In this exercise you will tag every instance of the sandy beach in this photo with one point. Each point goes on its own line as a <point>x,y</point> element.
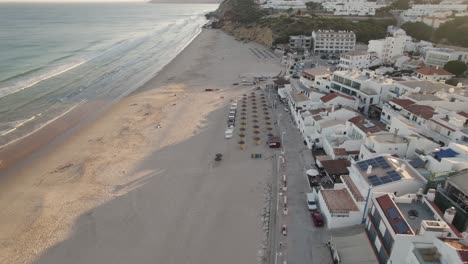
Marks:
<point>139,184</point>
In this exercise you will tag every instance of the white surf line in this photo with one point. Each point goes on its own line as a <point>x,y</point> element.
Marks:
<point>3,133</point>
<point>45,124</point>
<point>48,77</point>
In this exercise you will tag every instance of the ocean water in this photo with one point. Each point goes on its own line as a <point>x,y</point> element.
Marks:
<point>55,56</point>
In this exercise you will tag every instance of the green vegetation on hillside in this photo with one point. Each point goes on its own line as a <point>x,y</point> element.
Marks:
<point>453,32</point>
<point>418,30</point>
<point>285,26</point>
<point>456,67</point>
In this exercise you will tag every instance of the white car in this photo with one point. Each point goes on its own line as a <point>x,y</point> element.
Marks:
<point>228,133</point>
<point>311,201</point>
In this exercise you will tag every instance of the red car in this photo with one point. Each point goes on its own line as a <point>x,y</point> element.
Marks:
<point>317,218</point>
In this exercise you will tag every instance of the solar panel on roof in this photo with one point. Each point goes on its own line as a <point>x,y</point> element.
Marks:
<point>372,177</point>
<point>402,227</point>
<point>385,166</point>
<point>392,173</point>
<point>377,183</point>
<point>395,178</point>
<point>392,213</point>
<point>379,159</point>
<point>385,179</point>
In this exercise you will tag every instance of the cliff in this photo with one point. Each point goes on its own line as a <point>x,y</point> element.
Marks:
<point>262,35</point>
<point>238,17</point>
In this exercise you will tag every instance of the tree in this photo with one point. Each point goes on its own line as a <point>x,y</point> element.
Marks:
<point>400,5</point>
<point>313,6</point>
<point>290,10</point>
<point>453,32</point>
<point>456,67</point>
<point>418,30</point>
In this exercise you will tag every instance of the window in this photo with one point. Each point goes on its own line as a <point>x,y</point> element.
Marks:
<point>414,118</point>
<point>448,133</point>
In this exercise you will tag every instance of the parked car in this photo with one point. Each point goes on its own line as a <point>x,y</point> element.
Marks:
<point>228,133</point>
<point>311,201</point>
<point>317,218</point>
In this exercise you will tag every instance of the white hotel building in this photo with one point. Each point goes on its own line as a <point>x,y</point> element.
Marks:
<point>329,41</point>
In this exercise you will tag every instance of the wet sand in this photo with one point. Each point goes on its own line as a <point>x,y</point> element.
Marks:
<point>139,185</point>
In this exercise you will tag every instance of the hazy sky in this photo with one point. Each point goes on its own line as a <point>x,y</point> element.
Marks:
<point>64,1</point>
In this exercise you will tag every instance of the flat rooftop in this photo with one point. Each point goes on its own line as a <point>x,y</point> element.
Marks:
<point>385,170</point>
<point>410,210</point>
<point>339,201</point>
<point>388,138</point>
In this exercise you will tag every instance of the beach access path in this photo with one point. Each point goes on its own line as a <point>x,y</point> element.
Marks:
<point>139,185</point>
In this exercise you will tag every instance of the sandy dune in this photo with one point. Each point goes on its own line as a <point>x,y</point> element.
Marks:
<point>139,185</point>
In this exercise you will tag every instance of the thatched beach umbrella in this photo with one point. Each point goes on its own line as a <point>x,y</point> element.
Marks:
<point>243,118</point>
<point>267,118</point>
<point>269,128</point>
<point>242,135</point>
<point>256,132</point>
<point>255,121</point>
<point>242,129</point>
<point>267,123</point>
<point>256,126</point>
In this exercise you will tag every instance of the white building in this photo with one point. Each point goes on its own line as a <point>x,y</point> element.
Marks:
<point>310,77</point>
<point>300,42</point>
<point>329,41</point>
<point>351,7</point>
<point>391,143</point>
<point>364,85</point>
<point>315,123</point>
<point>284,4</point>
<point>442,11</point>
<point>390,48</point>
<point>449,127</point>
<point>411,229</point>
<point>358,60</point>
<point>382,174</point>
<point>438,57</point>
<point>448,159</point>
<point>433,74</point>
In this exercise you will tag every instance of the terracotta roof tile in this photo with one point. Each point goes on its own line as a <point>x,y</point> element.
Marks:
<point>336,167</point>
<point>433,71</point>
<point>366,125</point>
<point>423,111</point>
<point>339,201</point>
<point>327,98</point>
<point>403,102</point>
<point>464,114</point>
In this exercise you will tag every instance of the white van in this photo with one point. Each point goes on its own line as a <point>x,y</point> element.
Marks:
<point>228,133</point>
<point>311,201</point>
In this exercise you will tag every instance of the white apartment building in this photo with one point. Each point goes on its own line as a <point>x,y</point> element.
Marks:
<point>300,42</point>
<point>390,48</point>
<point>411,229</point>
<point>358,60</point>
<point>351,8</point>
<point>284,4</point>
<point>448,159</point>
<point>364,85</point>
<point>329,41</point>
<point>441,11</point>
<point>438,57</point>
<point>392,143</point>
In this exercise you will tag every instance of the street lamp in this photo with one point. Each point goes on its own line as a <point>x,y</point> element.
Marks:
<point>279,119</point>
<point>282,136</point>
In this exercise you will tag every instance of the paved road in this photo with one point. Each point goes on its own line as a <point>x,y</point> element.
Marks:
<point>304,243</point>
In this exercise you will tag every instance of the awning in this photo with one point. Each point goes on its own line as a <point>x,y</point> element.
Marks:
<point>445,153</point>
<point>312,172</point>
